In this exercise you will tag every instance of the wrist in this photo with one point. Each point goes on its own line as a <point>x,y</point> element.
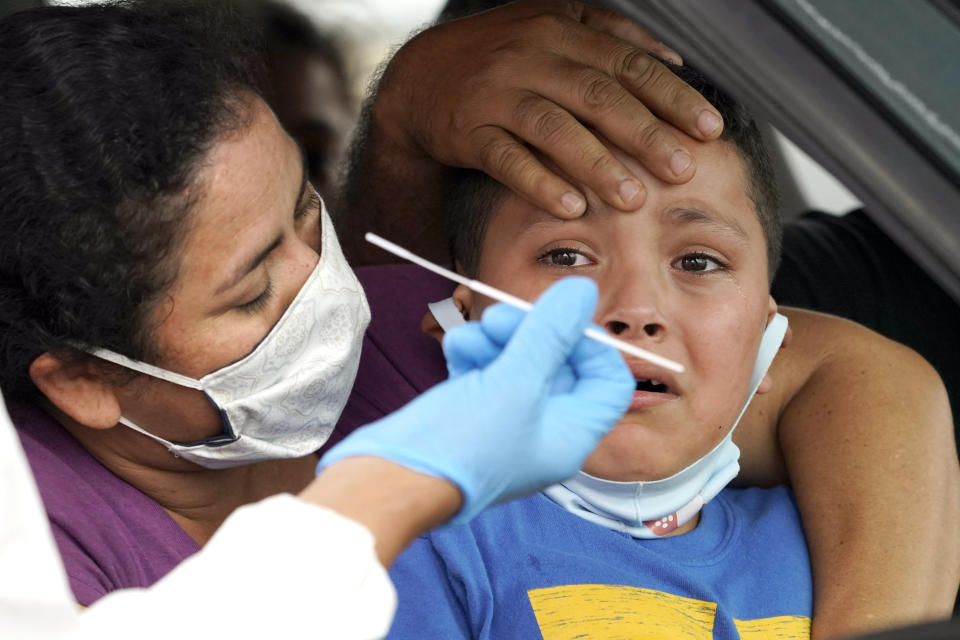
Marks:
<point>391,118</point>
<point>395,189</point>
<point>395,503</point>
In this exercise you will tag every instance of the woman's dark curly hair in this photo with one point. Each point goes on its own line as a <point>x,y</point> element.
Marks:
<point>106,115</point>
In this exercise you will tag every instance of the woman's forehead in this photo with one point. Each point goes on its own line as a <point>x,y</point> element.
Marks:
<point>250,181</point>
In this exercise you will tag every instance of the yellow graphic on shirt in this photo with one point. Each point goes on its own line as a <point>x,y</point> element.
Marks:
<point>612,611</point>
<point>616,612</point>
<point>780,628</point>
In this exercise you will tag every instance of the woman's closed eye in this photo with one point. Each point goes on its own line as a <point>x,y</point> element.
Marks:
<point>259,302</point>
<point>699,263</point>
<point>564,258</point>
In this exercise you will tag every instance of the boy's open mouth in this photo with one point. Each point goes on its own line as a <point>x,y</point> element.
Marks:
<point>654,385</point>
<point>651,384</point>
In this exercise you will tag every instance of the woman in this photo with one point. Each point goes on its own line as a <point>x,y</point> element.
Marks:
<point>152,207</point>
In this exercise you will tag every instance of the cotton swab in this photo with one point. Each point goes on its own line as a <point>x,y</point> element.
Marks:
<point>519,303</point>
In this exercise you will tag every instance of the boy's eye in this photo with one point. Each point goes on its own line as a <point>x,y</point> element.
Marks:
<point>699,262</point>
<point>565,258</point>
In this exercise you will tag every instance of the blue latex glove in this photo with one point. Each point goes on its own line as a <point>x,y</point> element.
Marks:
<point>529,398</point>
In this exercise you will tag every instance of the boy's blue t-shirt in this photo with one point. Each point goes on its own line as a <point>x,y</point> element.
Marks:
<point>529,569</point>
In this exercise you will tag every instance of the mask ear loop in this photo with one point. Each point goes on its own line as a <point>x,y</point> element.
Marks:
<point>769,347</point>
<point>169,445</point>
<point>143,367</point>
<point>150,370</point>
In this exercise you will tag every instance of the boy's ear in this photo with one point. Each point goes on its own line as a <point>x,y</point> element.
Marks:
<point>771,308</point>
<point>430,326</point>
<point>462,299</point>
<point>76,389</point>
<point>767,383</point>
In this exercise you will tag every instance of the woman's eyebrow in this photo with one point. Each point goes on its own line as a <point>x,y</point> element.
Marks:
<point>242,271</point>
<point>723,224</point>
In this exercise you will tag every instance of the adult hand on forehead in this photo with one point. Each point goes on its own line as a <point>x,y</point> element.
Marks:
<point>530,74</point>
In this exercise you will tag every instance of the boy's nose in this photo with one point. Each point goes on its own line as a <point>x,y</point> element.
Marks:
<point>619,327</point>
<point>632,312</point>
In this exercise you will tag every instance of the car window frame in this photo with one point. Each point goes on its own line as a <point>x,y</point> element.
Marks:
<point>910,194</point>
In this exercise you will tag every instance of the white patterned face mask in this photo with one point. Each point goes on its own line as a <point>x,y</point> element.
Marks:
<point>282,399</point>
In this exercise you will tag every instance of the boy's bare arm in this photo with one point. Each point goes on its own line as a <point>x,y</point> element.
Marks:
<point>866,436</point>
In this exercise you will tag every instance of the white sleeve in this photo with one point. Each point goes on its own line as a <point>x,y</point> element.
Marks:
<point>280,568</point>
<point>35,599</point>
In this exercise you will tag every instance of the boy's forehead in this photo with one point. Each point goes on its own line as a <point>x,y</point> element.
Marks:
<point>524,219</point>
<point>718,195</point>
<point>716,160</point>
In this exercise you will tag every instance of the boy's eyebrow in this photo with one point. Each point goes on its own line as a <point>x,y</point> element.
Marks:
<point>547,219</point>
<point>696,216</point>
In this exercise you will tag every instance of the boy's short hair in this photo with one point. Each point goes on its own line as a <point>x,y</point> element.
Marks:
<point>473,195</point>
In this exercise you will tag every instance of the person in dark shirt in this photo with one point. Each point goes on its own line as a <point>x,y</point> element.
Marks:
<point>847,266</point>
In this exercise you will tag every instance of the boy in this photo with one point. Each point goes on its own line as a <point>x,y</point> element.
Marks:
<point>602,554</point>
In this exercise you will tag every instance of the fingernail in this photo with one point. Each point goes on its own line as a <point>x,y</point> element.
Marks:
<point>708,122</point>
<point>670,55</point>
<point>572,202</point>
<point>629,189</point>
<point>680,161</point>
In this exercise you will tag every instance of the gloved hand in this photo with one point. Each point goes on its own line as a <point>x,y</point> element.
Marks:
<point>529,398</point>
